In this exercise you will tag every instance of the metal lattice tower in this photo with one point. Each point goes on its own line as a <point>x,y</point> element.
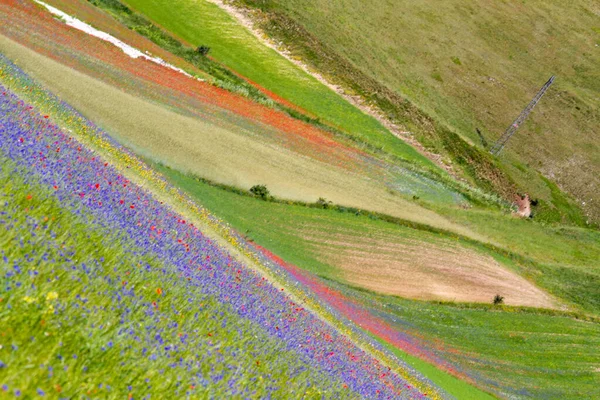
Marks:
<point>499,145</point>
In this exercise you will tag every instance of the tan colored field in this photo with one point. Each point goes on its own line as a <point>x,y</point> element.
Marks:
<point>389,263</point>
<point>217,153</point>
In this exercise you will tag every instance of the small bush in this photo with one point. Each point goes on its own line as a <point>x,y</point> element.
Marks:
<point>498,299</point>
<point>203,50</point>
<point>324,203</point>
<point>260,191</point>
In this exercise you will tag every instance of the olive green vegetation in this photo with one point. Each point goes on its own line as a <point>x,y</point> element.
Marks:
<point>204,23</point>
<point>444,70</point>
<point>542,352</point>
<point>563,260</point>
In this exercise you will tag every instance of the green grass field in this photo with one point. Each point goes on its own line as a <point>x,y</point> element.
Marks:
<point>468,66</point>
<point>510,351</point>
<point>238,49</point>
<point>544,353</point>
<point>562,260</point>
<point>521,353</point>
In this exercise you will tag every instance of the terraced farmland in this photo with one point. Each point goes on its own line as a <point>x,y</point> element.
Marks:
<point>213,155</point>
<point>186,213</point>
<point>179,305</point>
<point>510,351</point>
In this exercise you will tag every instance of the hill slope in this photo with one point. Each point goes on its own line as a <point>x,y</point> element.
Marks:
<point>466,67</point>
<point>112,292</point>
<point>294,288</point>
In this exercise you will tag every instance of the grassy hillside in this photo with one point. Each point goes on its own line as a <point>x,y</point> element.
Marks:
<point>382,288</point>
<point>109,292</point>
<point>463,67</point>
<point>368,252</point>
<point>562,260</point>
<point>224,154</point>
<point>510,351</point>
<point>238,49</point>
<point>518,354</point>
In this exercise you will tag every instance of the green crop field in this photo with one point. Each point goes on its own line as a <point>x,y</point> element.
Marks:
<point>512,347</point>
<point>469,66</point>
<point>222,154</point>
<point>522,353</point>
<point>238,49</point>
<point>562,260</point>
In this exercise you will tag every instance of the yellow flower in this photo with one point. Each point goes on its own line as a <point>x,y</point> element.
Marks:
<point>29,300</point>
<point>51,296</point>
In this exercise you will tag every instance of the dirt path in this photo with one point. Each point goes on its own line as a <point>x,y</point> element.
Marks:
<point>244,17</point>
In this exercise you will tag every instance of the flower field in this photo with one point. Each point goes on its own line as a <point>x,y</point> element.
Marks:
<point>226,120</point>
<point>136,262</point>
<point>109,292</point>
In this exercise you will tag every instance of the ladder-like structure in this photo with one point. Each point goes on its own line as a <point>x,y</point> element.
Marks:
<point>499,145</point>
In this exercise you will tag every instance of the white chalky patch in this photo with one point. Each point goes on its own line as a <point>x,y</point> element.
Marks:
<point>127,49</point>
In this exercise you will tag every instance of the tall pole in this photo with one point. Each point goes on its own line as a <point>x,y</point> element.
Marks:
<point>499,145</point>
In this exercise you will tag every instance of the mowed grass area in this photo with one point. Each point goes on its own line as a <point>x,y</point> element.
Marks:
<point>204,23</point>
<point>506,349</point>
<point>471,66</point>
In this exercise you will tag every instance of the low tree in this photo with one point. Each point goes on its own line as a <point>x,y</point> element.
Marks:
<point>498,299</point>
<point>260,191</point>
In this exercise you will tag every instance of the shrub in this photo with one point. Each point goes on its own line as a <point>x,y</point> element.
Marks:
<point>498,299</point>
<point>324,203</point>
<point>260,191</point>
<point>203,50</point>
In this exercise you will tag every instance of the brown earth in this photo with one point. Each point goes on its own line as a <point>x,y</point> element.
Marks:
<point>441,270</point>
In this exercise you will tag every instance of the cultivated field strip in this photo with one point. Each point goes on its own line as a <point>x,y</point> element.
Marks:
<point>184,266</point>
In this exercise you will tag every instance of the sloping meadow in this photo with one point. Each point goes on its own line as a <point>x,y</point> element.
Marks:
<point>107,291</point>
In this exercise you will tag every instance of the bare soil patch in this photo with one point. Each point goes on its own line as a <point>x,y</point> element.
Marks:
<point>425,270</point>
